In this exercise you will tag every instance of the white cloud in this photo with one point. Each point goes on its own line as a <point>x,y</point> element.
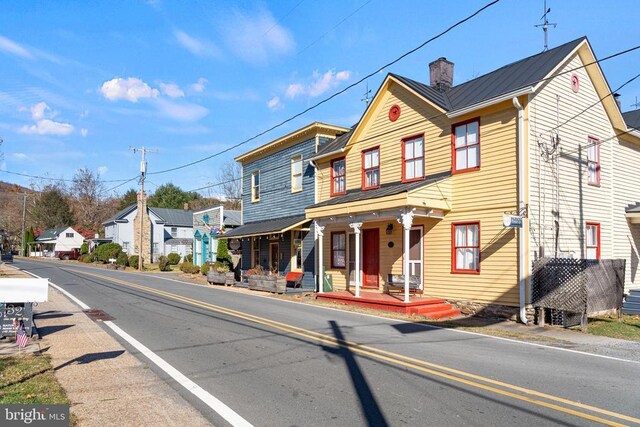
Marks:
<point>319,84</point>
<point>197,47</point>
<point>130,89</point>
<point>13,48</point>
<point>171,90</point>
<point>199,86</point>
<point>19,156</point>
<point>293,90</point>
<point>38,110</point>
<point>186,112</point>
<point>257,38</point>
<point>48,127</point>
<point>102,170</point>
<point>84,132</point>
<point>274,104</point>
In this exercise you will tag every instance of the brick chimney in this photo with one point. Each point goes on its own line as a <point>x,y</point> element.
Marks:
<point>441,74</point>
<point>616,97</point>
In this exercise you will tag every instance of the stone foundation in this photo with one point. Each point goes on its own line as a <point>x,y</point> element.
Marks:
<point>495,311</point>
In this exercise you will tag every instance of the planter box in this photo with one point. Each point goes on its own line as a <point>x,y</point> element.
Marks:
<point>221,278</point>
<point>277,284</point>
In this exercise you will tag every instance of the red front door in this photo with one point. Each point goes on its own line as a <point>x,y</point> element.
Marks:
<point>370,257</point>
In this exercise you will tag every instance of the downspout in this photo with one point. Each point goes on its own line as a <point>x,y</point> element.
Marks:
<point>521,205</point>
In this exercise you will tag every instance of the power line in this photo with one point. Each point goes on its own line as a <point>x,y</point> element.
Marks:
<point>340,92</point>
<point>52,179</point>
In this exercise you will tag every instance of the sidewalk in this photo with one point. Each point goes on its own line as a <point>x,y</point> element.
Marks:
<point>107,386</point>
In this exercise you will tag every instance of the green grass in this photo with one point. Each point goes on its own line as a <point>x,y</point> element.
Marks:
<point>29,379</point>
<point>628,328</point>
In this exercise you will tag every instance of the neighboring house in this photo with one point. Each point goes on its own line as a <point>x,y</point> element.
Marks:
<point>278,182</point>
<point>171,230</point>
<point>423,181</point>
<point>53,240</point>
<point>207,227</point>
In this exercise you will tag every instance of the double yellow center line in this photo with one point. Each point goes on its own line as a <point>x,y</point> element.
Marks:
<point>519,393</point>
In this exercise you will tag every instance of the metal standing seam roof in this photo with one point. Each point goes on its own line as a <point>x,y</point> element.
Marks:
<point>50,234</point>
<point>232,218</point>
<point>278,225</point>
<point>335,144</point>
<point>179,217</point>
<point>517,75</point>
<point>121,214</point>
<point>389,189</point>
<point>632,119</point>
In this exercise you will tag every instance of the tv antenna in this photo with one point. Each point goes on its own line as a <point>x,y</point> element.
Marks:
<point>545,26</point>
<point>366,97</point>
<point>635,104</point>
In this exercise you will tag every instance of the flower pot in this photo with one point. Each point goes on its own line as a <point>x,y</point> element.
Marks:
<point>214,277</point>
<point>276,284</point>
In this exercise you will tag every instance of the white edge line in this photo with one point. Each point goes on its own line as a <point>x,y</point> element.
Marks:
<point>218,406</point>
<point>511,340</point>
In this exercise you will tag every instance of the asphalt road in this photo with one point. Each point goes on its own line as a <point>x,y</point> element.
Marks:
<point>279,363</point>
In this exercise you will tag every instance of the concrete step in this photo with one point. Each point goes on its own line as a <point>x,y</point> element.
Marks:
<point>444,314</point>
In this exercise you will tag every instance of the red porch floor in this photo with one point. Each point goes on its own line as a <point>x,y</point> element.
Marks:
<point>432,308</point>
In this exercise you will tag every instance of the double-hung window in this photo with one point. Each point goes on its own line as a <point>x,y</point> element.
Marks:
<point>174,232</point>
<point>466,146</point>
<point>296,173</point>
<point>338,249</point>
<point>593,161</point>
<point>593,240</point>
<point>413,158</point>
<point>466,247</point>
<point>255,186</point>
<point>338,176</point>
<point>296,262</point>
<point>371,168</point>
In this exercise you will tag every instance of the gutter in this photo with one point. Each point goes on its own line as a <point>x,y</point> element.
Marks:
<point>331,153</point>
<point>521,207</point>
<point>489,102</point>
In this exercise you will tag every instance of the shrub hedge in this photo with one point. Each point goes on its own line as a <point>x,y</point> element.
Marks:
<point>174,258</point>
<point>133,261</point>
<point>188,267</point>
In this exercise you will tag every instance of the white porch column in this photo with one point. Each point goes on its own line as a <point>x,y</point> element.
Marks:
<point>319,234</point>
<point>356,229</point>
<point>406,219</point>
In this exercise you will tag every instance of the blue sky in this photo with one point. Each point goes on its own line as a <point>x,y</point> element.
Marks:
<point>83,81</point>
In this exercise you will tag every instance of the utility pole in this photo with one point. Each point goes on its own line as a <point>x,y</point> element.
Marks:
<point>545,26</point>
<point>143,171</point>
<point>24,220</point>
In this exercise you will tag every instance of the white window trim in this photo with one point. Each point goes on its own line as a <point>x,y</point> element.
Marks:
<point>255,189</point>
<point>294,159</point>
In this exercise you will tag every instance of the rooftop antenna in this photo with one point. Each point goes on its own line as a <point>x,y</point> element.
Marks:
<point>366,97</point>
<point>635,104</point>
<point>545,26</point>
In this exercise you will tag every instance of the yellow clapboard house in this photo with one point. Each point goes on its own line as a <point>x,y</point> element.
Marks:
<point>423,182</point>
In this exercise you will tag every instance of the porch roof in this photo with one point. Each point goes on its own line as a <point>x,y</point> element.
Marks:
<point>432,192</point>
<point>260,228</point>
<point>633,213</point>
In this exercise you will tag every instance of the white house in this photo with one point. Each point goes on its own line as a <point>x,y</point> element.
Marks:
<point>207,226</point>
<point>56,240</point>
<point>171,230</point>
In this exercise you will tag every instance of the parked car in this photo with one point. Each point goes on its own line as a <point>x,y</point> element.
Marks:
<point>8,257</point>
<point>65,255</point>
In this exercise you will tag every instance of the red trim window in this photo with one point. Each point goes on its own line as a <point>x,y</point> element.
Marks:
<point>593,161</point>
<point>413,158</point>
<point>338,176</point>
<point>466,146</point>
<point>593,240</point>
<point>465,247</point>
<point>338,249</point>
<point>371,168</point>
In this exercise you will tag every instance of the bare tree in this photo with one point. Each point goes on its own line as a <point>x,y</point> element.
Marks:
<point>229,177</point>
<point>88,206</point>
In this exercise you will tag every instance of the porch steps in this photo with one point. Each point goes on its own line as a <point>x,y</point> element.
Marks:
<point>431,308</point>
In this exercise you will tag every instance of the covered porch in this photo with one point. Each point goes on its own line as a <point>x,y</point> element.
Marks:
<point>372,242</point>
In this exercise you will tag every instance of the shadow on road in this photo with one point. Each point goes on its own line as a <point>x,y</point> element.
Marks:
<point>48,330</point>
<point>368,402</point>
<point>90,357</point>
